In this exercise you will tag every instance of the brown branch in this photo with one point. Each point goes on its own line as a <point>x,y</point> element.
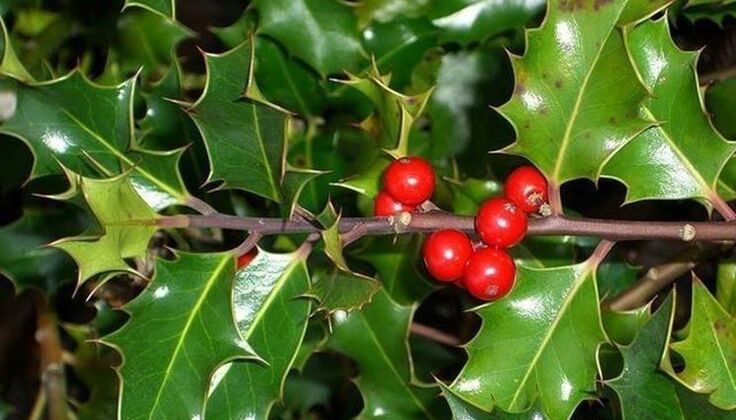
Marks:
<point>434,334</point>
<point>659,277</point>
<point>613,230</point>
<point>52,367</point>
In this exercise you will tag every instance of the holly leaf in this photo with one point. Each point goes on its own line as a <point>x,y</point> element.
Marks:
<point>166,8</point>
<point>726,286</point>
<point>272,316</point>
<point>394,113</point>
<point>89,129</point>
<point>323,33</point>
<point>466,21</point>
<point>188,306</point>
<point>637,11</point>
<point>576,92</point>
<point>127,222</point>
<point>245,139</point>
<point>686,149</point>
<point>642,387</point>
<point>368,182</point>
<point>552,320</point>
<point>10,65</point>
<point>387,10</point>
<point>462,410</point>
<point>26,260</point>
<point>342,290</point>
<point>709,350</point>
<point>396,262</point>
<point>375,337</point>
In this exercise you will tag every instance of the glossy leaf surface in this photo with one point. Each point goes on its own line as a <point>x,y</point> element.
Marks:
<point>576,92</point>
<point>271,314</point>
<point>552,320</point>
<point>709,350</point>
<point>164,7</point>
<point>342,290</point>
<point>244,138</point>
<point>188,304</point>
<point>683,155</point>
<point>375,337</point>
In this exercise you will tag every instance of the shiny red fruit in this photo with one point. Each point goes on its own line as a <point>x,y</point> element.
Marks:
<point>490,274</point>
<point>500,223</point>
<point>246,258</point>
<point>527,188</point>
<point>445,253</point>
<point>409,180</point>
<point>385,205</point>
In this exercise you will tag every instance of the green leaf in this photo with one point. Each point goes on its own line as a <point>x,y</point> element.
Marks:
<point>466,21</point>
<point>637,11</point>
<point>552,320</point>
<point>726,286</point>
<point>245,139</point>
<point>622,327</point>
<point>396,262</point>
<point>10,65</point>
<point>368,182</point>
<point>394,113</point>
<point>642,387</point>
<point>398,46</point>
<point>387,10</point>
<point>685,149</point>
<point>272,316</point>
<point>696,406</point>
<point>23,255</point>
<point>323,33</point>
<point>128,225</point>
<point>576,92</point>
<point>462,410</point>
<point>143,40</point>
<point>83,125</point>
<point>375,337</point>
<point>342,290</point>
<point>720,100</point>
<point>166,8</point>
<point>709,350</point>
<point>469,193</point>
<point>180,331</point>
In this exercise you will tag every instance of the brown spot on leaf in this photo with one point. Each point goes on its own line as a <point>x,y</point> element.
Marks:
<point>720,326</point>
<point>519,89</point>
<point>526,125</point>
<point>612,120</point>
<point>558,83</point>
<point>571,5</point>
<point>600,3</point>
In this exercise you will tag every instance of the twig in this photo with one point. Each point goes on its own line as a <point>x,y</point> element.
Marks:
<point>200,205</point>
<point>247,244</point>
<point>614,230</point>
<point>717,76</point>
<point>434,334</point>
<point>52,367</point>
<point>657,278</point>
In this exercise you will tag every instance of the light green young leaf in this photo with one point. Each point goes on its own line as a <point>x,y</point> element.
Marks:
<point>180,331</point>
<point>576,97</point>
<point>245,139</point>
<point>709,350</point>
<point>682,157</point>
<point>10,65</point>
<point>271,314</point>
<point>128,225</point>
<point>376,338</point>
<point>552,320</point>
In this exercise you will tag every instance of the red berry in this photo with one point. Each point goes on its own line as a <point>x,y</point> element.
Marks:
<point>385,205</point>
<point>246,258</point>
<point>490,274</point>
<point>527,188</point>
<point>445,253</point>
<point>409,180</point>
<point>500,223</point>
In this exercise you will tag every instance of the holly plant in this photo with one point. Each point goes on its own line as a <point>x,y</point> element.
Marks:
<point>329,209</point>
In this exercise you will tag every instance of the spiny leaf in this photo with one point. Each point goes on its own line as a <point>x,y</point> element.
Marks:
<point>637,11</point>
<point>396,261</point>
<point>83,125</point>
<point>271,314</point>
<point>642,387</point>
<point>128,225</point>
<point>23,257</point>
<point>180,331</point>
<point>552,320</point>
<point>394,113</point>
<point>709,350</point>
<point>466,21</point>
<point>388,10</point>
<point>323,33</point>
<point>245,139</point>
<point>683,146</point>
<point>10,65</point>
<point>165,8</point>
<point>375,337</point>
<point>342,290</point>
<point>577,95</point>
<point>368,182</point>
<point>462,410</point>
<point>726,286</point>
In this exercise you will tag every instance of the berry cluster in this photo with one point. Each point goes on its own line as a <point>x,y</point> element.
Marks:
<point>486,270</point>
